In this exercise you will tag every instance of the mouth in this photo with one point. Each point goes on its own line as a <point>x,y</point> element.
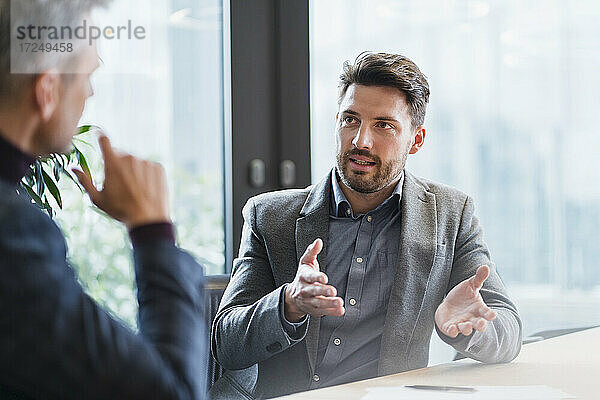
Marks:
<point>361,164</point>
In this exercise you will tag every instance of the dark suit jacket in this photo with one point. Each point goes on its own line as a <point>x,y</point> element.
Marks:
<point>441,244</point>
<point>57,343</point>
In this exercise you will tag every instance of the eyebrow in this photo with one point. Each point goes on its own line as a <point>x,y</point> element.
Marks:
<point>352,112</point>
<point>390,119</point>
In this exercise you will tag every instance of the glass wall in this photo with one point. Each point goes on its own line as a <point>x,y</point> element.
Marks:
<point>162,101</point>
<point>511,121</point>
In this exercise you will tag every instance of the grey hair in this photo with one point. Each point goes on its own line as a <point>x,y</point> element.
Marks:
<point>17,68</point>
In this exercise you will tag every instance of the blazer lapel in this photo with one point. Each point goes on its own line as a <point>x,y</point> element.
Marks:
<point>312,224</point>
<point>418,234</point>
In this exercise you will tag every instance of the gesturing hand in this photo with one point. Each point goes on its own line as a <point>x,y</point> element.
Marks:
<point>309,293</point>
<point>135,191</point>
<point>463,308</point>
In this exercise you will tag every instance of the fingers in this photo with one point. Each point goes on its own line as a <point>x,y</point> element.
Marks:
<point>106,148</point>
<point>324,303</point>
<point>86,181</point>
<point>450,330</point>
<point>310,275</point>
<point>134,190</point>
<point>310,255</point>
<point>466,328</point>
<point>313,298</point>
<point>487,313</point>
<point>483,272</point>
<point>479,324</point>
<point>332,306</point>
<point>333,312</point>
<point>319,290</point>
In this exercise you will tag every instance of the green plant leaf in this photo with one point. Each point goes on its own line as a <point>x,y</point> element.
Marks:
<point>48,207</point>
<point>75,181</point>
<point>78,140</point>
<point>82,161</point>
<point>29,178</point>
<point>57,169</point>
<point>84,129</point>
<point>33,195</point>
<point>52,188</point>
<point>39,179</point>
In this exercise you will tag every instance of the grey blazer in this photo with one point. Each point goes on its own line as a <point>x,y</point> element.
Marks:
<point>441,244</point>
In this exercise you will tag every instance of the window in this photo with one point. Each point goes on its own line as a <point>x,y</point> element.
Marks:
<point>163,101</point>
<point>511,121</point>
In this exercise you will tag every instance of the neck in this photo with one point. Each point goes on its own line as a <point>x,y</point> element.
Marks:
<point>18,128</point>
<point>365,202</point>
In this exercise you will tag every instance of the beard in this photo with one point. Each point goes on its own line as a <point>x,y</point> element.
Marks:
<point>360,181</point>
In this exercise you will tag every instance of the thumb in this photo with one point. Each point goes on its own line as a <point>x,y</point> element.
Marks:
<point>86,181</point>
<point>480,276</point>
<point>310,255</point>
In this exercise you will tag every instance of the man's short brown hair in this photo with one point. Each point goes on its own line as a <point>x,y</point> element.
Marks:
<point>392,70</point>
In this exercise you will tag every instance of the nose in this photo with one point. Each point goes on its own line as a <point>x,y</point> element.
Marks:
<point>363,138</point>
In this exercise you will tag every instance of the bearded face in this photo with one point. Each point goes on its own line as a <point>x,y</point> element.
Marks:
<point>361,177</point>
<point>374,136</point>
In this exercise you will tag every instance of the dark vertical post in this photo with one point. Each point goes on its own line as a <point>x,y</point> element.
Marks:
<point>270,104</point>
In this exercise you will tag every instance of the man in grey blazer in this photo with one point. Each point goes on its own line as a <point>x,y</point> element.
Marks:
<point>347,279</point>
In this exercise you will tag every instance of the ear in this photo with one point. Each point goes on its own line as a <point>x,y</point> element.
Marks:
<point>418,139</point>
<point>47,93</point>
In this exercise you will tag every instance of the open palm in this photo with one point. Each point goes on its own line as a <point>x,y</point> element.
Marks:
<point>463,309</point>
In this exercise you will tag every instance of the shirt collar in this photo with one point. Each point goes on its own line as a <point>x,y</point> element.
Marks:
<point>339,205</point>
<point>14,163</point>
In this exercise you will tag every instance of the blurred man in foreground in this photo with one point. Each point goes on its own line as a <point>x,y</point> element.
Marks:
<point>56,342</point>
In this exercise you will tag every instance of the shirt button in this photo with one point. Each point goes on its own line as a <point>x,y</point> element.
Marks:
<point>337,341</point>
<point>369,218</point>
<point>352,302</point>
<point>316,378</point>
<point>359,260</point>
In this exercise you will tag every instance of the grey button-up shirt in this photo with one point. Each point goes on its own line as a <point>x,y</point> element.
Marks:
<point>361,264</point>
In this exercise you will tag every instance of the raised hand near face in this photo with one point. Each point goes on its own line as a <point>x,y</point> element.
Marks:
<point>134,191</point>
<point>309,293</point>
<point>463,309</point>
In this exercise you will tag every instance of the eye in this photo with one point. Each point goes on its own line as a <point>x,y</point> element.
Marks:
<point>384,125</point>
<point>348,120</point>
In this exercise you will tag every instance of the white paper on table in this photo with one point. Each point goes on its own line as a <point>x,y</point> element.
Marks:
<point>534,392</point>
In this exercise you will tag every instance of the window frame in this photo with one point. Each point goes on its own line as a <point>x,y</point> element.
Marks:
<point>270,102</point>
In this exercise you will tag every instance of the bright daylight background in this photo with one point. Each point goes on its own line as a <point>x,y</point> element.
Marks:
<point>160,100</point>
<point>512,121</point>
